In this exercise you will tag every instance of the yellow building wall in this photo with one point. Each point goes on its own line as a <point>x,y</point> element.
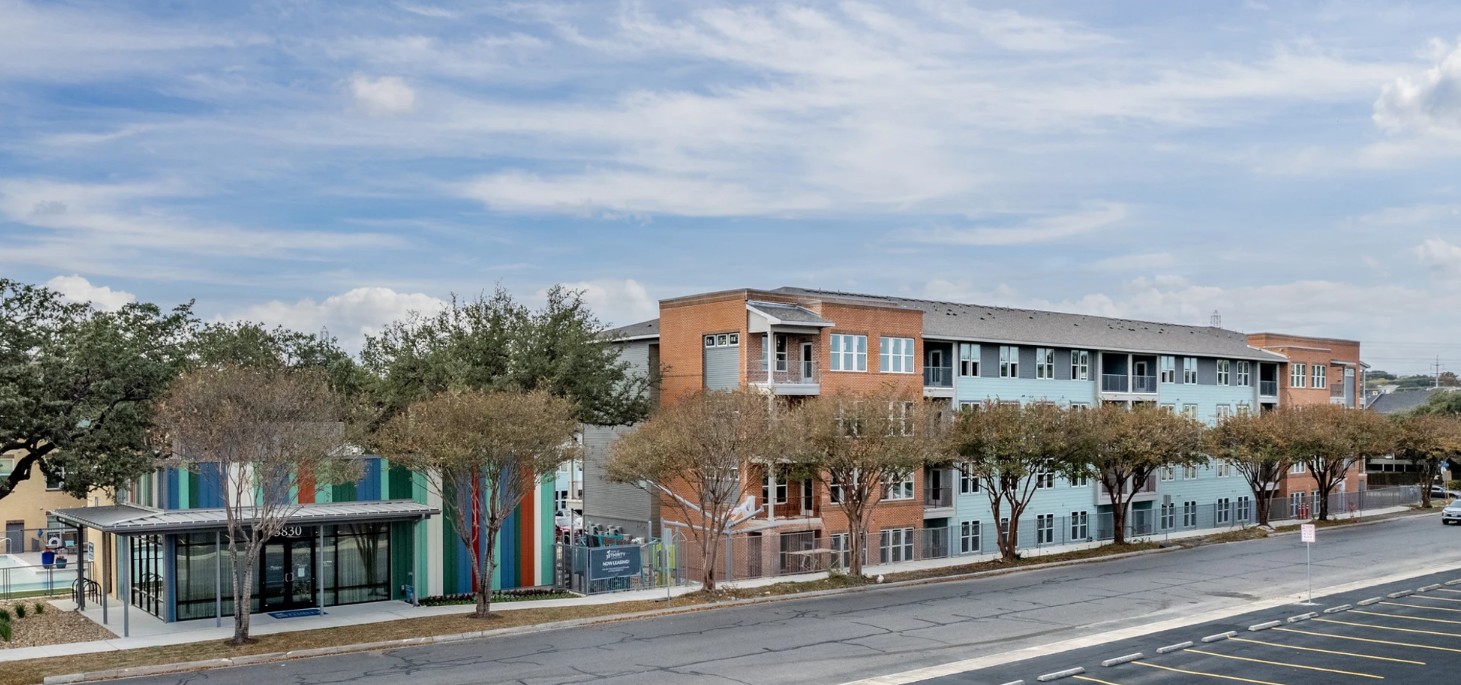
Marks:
<point>31,500</point>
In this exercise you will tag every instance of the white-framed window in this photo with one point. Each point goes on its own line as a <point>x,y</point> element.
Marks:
<point>897,545</point>
<point>1224,469</point>
<point>1044,529</point>
<point>1298,373</point>
<point>1169,516</point>
<point>1189,473</point>
<point>781,355</point>
<point>54,481</point>
<point>969,537</point>
<point>1080,480</point>
<point>968,359</point>
<point>1079,526</point>
<point>1009,361</point>
<point>1321,376</point>
<point>1245,509</point>
<point>1169,473</point>
<point>1169,369</point>
<point>1080,365</point>
<point>1244,409</point>
<point>1297,468</point>
<point>1189,370</point>
<point>834,489</point>
<point>1045,363</point>
<point>1189,411</point>
<point>1296,503</point>
<point>1044,481</point>
<point>766,490</point>
<point>1004,526</point>
<point>1224,411</point>
<point>723,340</point>
<point>1079,406</point>
<point>968,484</point>
<point>849,352</point>
<point>1168,406</point>
<point>1245,374</point>
<point>895,488</point>
<point>1224,510</point>
<point>841,550</point>
<point>1189,514</point>
<point>1224,372</point>
<point>895,355</point>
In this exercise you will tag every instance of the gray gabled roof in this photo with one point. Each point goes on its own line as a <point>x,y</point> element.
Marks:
<point>959,321</point>
<point>634,331</point>
<point>1396,402</point>
<point>788,313</point>
<point>127,519</point>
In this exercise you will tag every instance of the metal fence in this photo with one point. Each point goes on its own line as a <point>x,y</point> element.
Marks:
<point>617,567</point>
<point>769,554</point>
<point>37,579</point>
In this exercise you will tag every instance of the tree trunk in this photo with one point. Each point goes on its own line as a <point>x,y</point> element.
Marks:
<point>1118,513</point>
<point>1260,508</point>
<point>1010,540</point>
<point>1431,469</point>
<point>243,590</point>
<point>484,579</point>
<point>709,550</point>
<point>858,541</point>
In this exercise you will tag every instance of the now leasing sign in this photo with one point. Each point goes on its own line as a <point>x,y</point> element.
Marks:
<point>613,562</point>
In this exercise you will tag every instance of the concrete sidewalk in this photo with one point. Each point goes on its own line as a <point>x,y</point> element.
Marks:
<point>148,631</point>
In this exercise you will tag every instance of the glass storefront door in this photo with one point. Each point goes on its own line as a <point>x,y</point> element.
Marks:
<point>287,574</point>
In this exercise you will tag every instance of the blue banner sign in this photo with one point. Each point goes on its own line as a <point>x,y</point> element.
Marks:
<point>613,562</point>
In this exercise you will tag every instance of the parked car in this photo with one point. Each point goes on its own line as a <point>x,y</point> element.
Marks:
<point>1451,514</point>
<point>1438,492</point>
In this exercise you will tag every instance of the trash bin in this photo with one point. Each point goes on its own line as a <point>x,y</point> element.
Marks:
<point>48,559</point>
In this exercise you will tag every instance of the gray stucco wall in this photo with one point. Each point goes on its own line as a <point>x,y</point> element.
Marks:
<point>607,503</point>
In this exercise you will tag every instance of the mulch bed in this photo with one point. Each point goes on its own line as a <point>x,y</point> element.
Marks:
<point>51,627</point>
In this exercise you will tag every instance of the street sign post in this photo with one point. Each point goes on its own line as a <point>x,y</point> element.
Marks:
<point>1306,533</point>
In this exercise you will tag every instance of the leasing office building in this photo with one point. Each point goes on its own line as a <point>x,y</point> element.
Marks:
<point>376,539</point>
<point>799,342</point>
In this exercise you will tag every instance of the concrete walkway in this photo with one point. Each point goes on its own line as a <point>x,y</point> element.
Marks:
<point>148,631</point>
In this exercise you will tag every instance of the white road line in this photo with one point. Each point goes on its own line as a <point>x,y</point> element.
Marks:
<point>992,660</point>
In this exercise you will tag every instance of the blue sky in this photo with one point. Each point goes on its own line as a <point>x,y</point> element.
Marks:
<point>1292,165</point>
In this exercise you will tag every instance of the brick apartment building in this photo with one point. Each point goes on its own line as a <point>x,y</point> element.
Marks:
<point>1320,371</point>
<point>798,342</point>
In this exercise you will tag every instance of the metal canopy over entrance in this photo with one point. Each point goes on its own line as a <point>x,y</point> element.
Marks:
<point>172,562</point>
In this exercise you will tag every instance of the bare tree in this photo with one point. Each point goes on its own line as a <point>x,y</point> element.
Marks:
<point>1127,447</point>
<point>1251,443</point>
<point>1429,440</point>
<point>699,455</point>
<point>861,445</point>
<point>1013,451</point>
<point>482,453</point>
<point>260,428</point>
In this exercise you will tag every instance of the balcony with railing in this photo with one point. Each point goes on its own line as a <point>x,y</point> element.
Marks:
<point>1146,491</point>
<point>938,376</point>
<point>938,497</point>
<point>1268,388</point>
<point>790,371</point>
<point>1121,383</point>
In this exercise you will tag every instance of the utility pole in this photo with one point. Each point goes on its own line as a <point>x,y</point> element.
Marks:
<point>1438,368</point>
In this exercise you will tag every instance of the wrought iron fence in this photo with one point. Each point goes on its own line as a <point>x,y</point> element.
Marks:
<point>618,567</point>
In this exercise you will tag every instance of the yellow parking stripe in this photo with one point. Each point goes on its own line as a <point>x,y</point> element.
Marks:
<point>1402,630</point>
<point>1438,599</point>
<point>1370,640</point>
<point>1325,651</point>
<point>1091,680</point>
<point>1420,606</point>
<point>1210,675</point>
<point>1408,618</point>
<point>1280,663</point>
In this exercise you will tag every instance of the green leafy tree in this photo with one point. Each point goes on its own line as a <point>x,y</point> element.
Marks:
<point>250,344</point>
<point>1329,439</point>
<point>1253,445</point>
<point>77,386</point>
<point>1011,450</point>
<point>1428,440</point>
<point>483,453</point>
<point>495,343</point>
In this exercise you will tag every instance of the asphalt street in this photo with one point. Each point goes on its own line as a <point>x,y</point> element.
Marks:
<point>843,638</point>
<point>1409,639</point>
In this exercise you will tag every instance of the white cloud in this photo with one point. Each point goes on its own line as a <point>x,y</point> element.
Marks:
<point>1429,103</point>
<point>1415,214</point>
<point>77,289</point>
<point>1146,261</point>
<point>350,316</point>
<point>1044,229</point>
<point>621,193</point>
<point>384,96</point>
<point>616,302</point>
<point>1441,257</point>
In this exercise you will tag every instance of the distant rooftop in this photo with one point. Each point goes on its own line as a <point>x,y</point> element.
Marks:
<point>634,331</point>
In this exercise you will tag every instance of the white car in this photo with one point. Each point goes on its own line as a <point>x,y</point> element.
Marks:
<point>1451,514</point>
<point>564,519</point>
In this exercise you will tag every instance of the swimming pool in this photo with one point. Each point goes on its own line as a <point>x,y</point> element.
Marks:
<point>20,575</point>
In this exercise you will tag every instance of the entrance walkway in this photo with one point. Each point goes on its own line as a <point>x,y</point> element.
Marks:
<point>148,631</point>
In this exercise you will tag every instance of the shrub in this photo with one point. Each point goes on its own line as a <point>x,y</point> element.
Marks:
<point>4,625</point>
<point>20,611</point>
<point>5,615</point>
<point>40,608</point>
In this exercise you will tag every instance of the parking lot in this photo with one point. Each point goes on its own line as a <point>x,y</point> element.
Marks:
<point>1406,632</point>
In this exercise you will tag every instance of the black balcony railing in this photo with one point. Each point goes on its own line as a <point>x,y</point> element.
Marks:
<point>938,376</point>
<point>938,497</point>
<point>1268,388</point>
<point>1114,382</point>
<point>1146,384</point>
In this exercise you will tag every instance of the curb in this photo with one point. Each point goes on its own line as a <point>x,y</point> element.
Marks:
<point>271,657</point>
